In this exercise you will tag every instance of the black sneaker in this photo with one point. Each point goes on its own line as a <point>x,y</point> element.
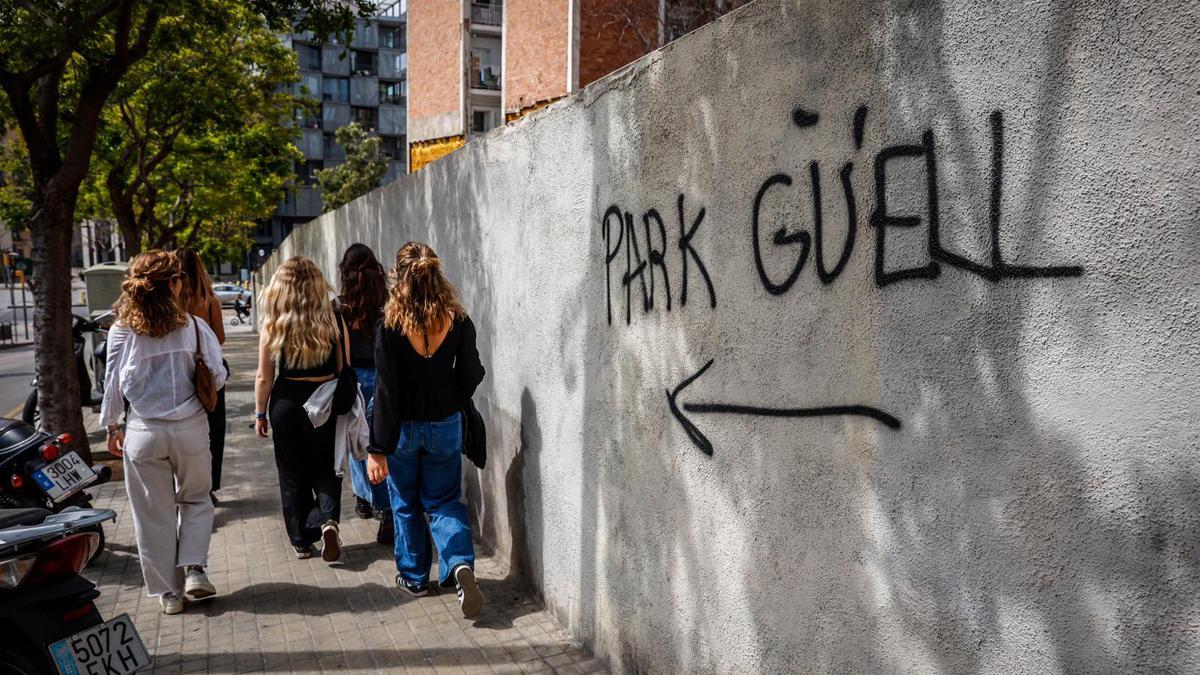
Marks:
<point>387,529</point>
<point>470,598</point>
<point>417,590</point>
<point>363,508</point>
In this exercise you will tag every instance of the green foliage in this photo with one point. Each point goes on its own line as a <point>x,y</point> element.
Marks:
<point>16,187</point>
<point>195,146</point>
<point>364,167</point>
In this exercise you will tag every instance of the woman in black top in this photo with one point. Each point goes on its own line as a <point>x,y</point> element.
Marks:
<point>297,352</point>
<point>363,293</point>
<point>427,365</point>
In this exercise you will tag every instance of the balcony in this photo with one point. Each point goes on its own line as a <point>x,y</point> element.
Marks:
<point>487,15</point>
<point>486,78</point>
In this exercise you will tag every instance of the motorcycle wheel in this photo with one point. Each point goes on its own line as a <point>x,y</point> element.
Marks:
<point>30,414</point>
<point>15,662</point>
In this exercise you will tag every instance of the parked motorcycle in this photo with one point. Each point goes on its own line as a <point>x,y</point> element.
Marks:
<point>42,472</point>
<point>47,612</point>
<point>80,326</point>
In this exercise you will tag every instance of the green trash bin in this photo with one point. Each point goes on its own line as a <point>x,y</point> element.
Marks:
<point>103,285</point>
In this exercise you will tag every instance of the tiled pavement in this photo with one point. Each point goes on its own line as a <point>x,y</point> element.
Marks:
<point>277,614</point>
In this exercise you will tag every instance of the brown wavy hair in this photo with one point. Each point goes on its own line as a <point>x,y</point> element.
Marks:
<point>420,297</point>
<point>147,304</point>
<point>364,287</point>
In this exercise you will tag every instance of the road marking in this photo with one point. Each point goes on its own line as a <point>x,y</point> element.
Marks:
<point>15,412</point>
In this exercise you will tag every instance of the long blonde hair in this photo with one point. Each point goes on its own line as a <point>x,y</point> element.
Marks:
<point>147,304</point>
<point>298,315</point>
<point>420,297</point>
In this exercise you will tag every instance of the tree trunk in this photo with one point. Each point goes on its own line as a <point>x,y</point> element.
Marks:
<point>58,386</point>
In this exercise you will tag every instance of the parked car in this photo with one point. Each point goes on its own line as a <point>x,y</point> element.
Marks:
<point>226,293</point>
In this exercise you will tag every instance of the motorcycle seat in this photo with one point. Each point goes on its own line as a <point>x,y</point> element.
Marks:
<point>19,517</point>
<point>16,437</point>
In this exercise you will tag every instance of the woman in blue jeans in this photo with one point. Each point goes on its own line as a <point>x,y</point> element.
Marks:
<point>427,364</point>
<point>363,292</point>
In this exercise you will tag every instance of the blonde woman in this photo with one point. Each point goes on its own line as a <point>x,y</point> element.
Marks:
<point>296,354</point>
<point>199,300</point>
<point>151,364</point>
<point>427,364</point>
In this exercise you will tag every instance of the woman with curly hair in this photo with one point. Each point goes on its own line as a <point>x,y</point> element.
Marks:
<point>168,469</point>
<point>360,303</point>
<point>427,364</point>
<point>298,351</point>
<point>201,302</point>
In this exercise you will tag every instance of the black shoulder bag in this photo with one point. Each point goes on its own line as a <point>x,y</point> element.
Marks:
<point>474,434</point>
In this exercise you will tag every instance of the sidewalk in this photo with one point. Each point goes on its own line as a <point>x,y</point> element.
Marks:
<point>277,614</point>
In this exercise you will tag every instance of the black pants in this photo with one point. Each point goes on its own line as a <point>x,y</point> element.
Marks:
<point>309,489</point>
<point>216,437</point>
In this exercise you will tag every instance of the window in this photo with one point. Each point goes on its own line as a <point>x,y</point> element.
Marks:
<point>367,118</point>
<point>392,146</point>
<point>310,57</point>
<point>392,37</point>
<point>482,120</point>
<point>393,92</point>
<point>306,172</point>
<point>335,89</point>
<point>363,63</point>
<point>306,119</point>
<point>329,146</point>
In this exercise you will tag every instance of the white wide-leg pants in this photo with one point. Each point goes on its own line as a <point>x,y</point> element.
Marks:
<point>168,475</point>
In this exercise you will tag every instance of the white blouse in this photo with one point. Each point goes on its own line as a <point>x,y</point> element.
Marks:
<point>155,373</point>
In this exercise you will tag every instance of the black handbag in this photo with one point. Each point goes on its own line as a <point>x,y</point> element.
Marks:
<point>347,386</point>
<point>474,434</point>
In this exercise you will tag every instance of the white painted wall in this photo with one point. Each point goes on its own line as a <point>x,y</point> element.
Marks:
<point>1037,510</point>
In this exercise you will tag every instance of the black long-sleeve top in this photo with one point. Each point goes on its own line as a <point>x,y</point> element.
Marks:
<point>412,388</point>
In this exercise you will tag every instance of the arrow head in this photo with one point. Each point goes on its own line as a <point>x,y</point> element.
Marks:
<point>693,433</point>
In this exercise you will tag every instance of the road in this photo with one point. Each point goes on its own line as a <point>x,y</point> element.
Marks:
<point>16,370</point>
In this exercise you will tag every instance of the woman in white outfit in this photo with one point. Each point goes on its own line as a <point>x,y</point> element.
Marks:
<point>168,468</point>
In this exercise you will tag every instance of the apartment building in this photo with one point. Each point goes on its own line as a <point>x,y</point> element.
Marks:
<point>365,81</point>
<point>456,74</point>
<point>479,63</point>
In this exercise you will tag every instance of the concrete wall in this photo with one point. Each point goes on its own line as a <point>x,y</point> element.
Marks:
<point>1021,299</point>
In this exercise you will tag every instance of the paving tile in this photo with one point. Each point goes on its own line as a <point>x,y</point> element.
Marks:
<point>278,614</point>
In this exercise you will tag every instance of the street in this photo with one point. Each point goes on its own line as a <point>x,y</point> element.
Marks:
<point>16,370</point>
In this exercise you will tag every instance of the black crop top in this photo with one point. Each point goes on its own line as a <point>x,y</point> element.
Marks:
<point>411,387</point>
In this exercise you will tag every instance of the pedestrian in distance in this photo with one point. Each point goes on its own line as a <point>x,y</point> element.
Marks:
<point>298,352</point>
<point>151,364</point>
<point>427,365</point>
<point>360,303</point>
<point>201,302</point>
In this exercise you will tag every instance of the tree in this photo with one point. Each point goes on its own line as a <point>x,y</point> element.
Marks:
<point>16,187</point>
<point>60,61</point>
<point>196,135</point>
<point>652,24</point>
<point>364,167</point>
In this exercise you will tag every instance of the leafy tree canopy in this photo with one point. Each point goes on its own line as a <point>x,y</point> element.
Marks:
<point>364,167</point>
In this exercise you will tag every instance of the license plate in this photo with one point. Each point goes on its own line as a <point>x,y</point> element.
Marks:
<point>112,647</point>
<point>64,476</point>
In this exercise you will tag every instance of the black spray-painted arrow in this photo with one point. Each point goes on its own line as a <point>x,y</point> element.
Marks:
<point>705,445</point>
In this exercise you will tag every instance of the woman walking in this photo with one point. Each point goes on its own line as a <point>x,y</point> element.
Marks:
<point>363,293</point>
<point>427,365</point>
<point>297,352</point>
<point>200,301</point>
<point>151,364</point>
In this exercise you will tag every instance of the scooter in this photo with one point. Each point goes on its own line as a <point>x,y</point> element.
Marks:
<point>47,612</point>
<point>88,397</point>
<point>241,314</point>
<point>41,472</point>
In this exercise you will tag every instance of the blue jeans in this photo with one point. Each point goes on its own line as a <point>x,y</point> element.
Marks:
<point>425,477</point>
<point>376,494</point>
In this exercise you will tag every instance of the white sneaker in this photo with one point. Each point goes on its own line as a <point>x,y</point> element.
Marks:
<point>470,598</point>
<point>331,549</point>
<point>196,584</point>
<point>171,603</point>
